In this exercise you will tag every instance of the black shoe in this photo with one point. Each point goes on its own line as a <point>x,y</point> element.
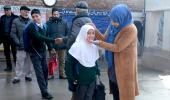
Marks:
<point>15,81</point>
<point>29,79</point>
<point>47,96</point>
<point>8,69</point>
<point>62,77</point>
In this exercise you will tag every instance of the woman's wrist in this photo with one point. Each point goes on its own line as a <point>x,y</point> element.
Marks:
<point>96,42</point>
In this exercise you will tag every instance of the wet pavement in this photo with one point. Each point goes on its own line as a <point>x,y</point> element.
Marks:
<point>151,86</point>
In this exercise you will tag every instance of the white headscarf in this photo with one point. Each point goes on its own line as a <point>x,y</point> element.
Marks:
<point>85,53</point>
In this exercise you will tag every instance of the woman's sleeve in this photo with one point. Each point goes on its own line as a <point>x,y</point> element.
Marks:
<point>125,40</point>
<point>100,36</point>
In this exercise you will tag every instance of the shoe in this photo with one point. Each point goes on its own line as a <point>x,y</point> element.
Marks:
<point>51,77</point>
<point>8,69</point>
<point>29,79</point>
<point>15,81</point>
<point>47,96</point>
<point>62,77</point>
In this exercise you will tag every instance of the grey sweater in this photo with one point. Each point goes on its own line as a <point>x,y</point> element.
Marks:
<point>17,29</point>
<point>77,23</point>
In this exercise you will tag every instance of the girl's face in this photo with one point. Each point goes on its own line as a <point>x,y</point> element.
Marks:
<point>90,36</point>
<point>115,24</point>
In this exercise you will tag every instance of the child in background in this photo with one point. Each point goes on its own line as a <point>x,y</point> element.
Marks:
<point>81,67</point>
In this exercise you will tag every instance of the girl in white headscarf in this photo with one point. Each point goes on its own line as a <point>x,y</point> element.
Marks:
<point>81,67</point>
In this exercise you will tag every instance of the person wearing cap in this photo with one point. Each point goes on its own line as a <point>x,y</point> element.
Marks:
<point>81,18</point>
<point>78,21</point>
<point>5,25</point>
<point>23,62</point>
<point>57,28</point>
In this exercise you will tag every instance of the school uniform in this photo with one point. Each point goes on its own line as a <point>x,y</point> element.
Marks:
<point>81,68</point>
<point>38,55</point>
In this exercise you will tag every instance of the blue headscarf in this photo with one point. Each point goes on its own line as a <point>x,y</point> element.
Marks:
<point>122,15</point>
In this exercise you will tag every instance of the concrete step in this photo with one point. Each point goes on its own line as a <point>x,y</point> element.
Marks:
<point>156,59</point>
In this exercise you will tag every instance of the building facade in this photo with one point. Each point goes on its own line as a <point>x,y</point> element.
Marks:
<point>157,35</point>
<point>136,5</point>
<point>99,9</point>
<point>157,24</point>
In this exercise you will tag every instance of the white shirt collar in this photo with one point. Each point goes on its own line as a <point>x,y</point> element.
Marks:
<point>40,25</point>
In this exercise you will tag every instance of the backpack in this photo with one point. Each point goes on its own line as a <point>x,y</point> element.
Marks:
<point>99,92</point>
<point>26,36</point>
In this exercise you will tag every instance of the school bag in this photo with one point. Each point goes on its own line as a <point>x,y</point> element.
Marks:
<point>99,92</point>
<point>26,36</point>
<point>52,65</point>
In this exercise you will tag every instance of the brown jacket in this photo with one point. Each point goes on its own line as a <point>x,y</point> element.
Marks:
<point>125,54</point>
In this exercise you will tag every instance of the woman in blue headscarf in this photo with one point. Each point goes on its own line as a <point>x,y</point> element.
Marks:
<point>120,42</point>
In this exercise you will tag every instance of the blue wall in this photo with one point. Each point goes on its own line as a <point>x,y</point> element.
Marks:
<point>100,18</point>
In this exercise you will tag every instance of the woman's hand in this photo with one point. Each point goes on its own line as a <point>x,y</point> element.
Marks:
<point>96,42</point>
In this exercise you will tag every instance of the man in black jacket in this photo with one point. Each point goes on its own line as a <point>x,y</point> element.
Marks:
<point>5,25</point>
<point>57,28</point>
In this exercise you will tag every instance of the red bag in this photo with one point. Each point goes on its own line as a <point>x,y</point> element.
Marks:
<point>52,65</point>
